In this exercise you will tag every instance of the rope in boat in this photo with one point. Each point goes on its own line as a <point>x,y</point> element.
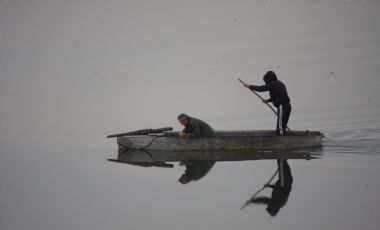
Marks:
<point>149,144</point>
<point>142,148</point>
<point>120,144</point>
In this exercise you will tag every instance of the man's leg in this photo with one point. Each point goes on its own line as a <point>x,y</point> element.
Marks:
<point>286,109</point>
<point>280,120</point>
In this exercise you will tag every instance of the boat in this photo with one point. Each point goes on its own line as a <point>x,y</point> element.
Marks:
<point>224,140</point>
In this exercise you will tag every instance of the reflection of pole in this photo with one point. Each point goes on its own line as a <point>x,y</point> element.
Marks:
<point>254,195</point>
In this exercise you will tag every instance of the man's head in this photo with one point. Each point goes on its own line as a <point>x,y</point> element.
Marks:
<point>183,119</point>
<point>269,76</point>
<point>273,210</point>
<point>184,179</point>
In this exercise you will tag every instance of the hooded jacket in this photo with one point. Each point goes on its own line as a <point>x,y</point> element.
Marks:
<point>277,89</point>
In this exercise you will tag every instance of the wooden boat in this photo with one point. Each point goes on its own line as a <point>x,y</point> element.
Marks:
<point>224,140</point>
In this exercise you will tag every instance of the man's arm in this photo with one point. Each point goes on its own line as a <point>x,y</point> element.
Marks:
<point>193,130</point>
<point>261,200</point>
<point>261,88</point>
<point>182,134</point>
<point>196,130</point>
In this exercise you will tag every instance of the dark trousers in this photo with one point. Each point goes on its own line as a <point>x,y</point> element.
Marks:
<point>283,112</point>
<point>285,178</point>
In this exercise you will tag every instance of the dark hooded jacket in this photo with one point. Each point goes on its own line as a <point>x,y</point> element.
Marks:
<point>277,89</point>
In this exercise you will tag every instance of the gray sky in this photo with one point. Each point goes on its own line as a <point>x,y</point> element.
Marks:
<point>139,63</point>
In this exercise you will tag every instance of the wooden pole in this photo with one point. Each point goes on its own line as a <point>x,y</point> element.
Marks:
<point>141,132</point>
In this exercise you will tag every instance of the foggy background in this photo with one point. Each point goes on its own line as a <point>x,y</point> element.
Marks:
<point>74,71</point>
<point>107,66</point>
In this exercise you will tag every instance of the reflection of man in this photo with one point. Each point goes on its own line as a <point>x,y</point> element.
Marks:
<point>195,170</point>
<point>281,189</point>
<point>195,126</point>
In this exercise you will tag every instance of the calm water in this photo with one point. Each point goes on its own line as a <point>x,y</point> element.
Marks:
<point>73,72</point>
<point>79,189</point>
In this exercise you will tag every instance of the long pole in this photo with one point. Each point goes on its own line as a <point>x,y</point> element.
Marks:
<point>261,98</point>
<point>253,91</point>
<point>141,132</point>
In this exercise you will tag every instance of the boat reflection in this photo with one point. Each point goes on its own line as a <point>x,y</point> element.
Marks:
<point>159,158</point>
<point>199,163</point>
<point>280,189</point>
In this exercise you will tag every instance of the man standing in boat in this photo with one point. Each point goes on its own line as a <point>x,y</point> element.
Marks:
<point>195,127</point>
<point>278,96</point>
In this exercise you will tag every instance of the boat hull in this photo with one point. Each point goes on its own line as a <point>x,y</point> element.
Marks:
<point>225,140</point>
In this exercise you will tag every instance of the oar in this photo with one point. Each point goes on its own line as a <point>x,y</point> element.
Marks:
<point>142,132</point>
<point>263,100</point>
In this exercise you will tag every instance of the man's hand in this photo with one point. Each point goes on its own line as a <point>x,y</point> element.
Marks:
<point>266,101</point>
<point>181,134</point>
<point>246,85</point>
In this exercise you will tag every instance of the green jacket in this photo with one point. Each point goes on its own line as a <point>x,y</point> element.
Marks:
<point>199,128</point>
<point>198,169</point>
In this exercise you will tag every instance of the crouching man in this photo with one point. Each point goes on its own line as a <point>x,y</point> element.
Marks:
<point>195,127</point>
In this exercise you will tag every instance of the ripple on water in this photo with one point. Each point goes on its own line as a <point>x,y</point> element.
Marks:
<point>356,141</point>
